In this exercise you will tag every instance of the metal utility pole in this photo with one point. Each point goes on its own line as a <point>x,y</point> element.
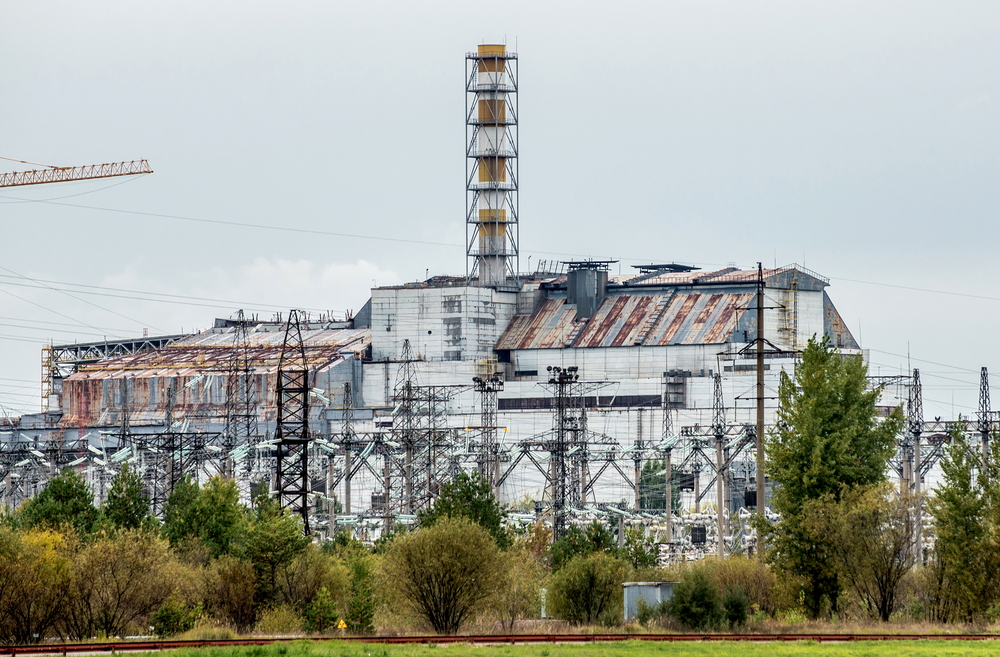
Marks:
<point>719,429</point>
<point>241,399</point>
<point>638,461</point>
<point>566,428</point>
<point>760,396</point>
<point>915,426</point>
<point>349,441</point>
<point>488,384</point>
<point>292,432</point>
<point>984,414</point>
<point>666,431</point>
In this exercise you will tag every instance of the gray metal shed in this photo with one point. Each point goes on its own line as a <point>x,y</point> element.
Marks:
<point>653,593</point>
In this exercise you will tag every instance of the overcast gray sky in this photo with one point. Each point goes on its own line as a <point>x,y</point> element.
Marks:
<point>859,139</point>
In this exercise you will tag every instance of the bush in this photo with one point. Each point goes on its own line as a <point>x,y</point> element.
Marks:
<point>230,591</point>
<point>174,617</point>
<point>752,576</point>
<point>321,613</point>
<point>118,581</point>
<point>309,572</point>
<point>518,595</point>
<point>360,617</point>
<point>445,573</point>
<point>279,620</point>
<point>695,602</point>
<point>736,607</point>
<point>587,587</point>
<point>646,613</point>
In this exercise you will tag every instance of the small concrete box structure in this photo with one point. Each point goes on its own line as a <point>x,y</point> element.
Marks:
<point>653,593</point>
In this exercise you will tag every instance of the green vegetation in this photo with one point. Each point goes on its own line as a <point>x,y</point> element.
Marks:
<point>828,441</point>
<point>66,501</point>
<point>623,649</point>
<point>445,573</point>
<point>842,553</point>
<point>966,512</point>
<point>470,496</point>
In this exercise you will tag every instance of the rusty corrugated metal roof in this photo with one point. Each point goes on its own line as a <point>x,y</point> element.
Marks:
<point>213,351</point>
<point>627,319</point>
<point>548,327</point>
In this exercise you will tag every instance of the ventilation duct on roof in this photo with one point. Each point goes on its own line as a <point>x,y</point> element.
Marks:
<point>586,288</point>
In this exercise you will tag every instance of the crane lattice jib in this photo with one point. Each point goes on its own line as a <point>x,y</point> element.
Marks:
<point>66,174</point>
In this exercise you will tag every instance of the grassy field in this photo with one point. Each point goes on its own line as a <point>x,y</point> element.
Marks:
<point>625,649</point>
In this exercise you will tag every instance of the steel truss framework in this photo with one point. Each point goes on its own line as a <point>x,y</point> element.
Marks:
<point>424,447</point>
<point>491,171</point>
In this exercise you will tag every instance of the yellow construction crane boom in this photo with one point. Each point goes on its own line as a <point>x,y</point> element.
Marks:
<point>66,174</point>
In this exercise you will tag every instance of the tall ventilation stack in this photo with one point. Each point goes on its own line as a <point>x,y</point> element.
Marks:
<point>491,166</point>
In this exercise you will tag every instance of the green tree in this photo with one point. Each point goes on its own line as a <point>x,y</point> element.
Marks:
<point>469,496</point>
<point>588,588</point>
<point>272,541</point>
<point>654,486</point>
<point>181,512</point>
<point>321,613</point>
<point>445,573</point>
<point>639,551</point>
<point>212,514</point>
<point>577,542</point>
<point>695,601</point>
<point>66,500</point>
<point>360,617</point>
<point>872,536</point>
<point>961,511</point>
<point>828,439</point>
<point>127,506</point>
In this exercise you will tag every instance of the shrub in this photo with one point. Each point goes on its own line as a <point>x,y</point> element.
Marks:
<point>751,575</point>
<point>310,571</point>
<point>174,617</point>
<point>360,617</point>
<point>646,613</point>
<point>736,607</point>
<point>445,573</point>
<point>279,620</point>
<point>695,602</point>
<point>321,613</point>
<point>230,591</point>
<point>587,587</point>
<point>518,595</point>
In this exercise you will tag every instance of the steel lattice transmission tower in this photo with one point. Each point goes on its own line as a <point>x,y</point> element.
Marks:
<point>491,169</point>
<point>241,398</point>
<point>488,383</point>
<point>563,380</point>
<point>292,431</point>
<point>984,423</point>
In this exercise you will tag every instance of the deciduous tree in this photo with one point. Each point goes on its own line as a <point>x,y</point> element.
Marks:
<point>829,438</point>
<point>445,572</point>
<point>588,588</point>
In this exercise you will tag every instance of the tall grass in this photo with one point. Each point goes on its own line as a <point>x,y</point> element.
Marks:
<point>625,649</point>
